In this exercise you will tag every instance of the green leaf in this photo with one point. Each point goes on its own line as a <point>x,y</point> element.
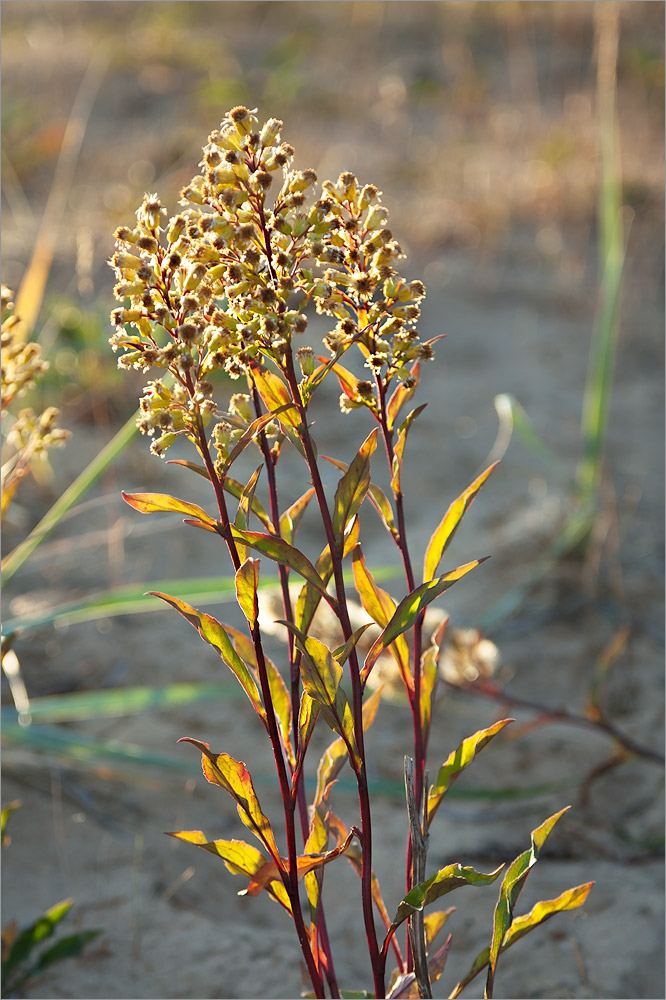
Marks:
<point>68,947</point>
<point>212,632</point>
<point>242,519</point>
<point>285,554</point>
<point>275,395</point>
<point>247,582</point>
<point>353,487</point>
<point>31,936</point>
<point>291,517</point>
<point>446,880</point>
<point>148,503</point>
<point>6,813</point>
<point>396,465</point>
<point>308,714</point>
<point>409,609</point>
<point>234,777</point>
<point>447,527</point>
<point>456,763</point>
<point>571,899</point>
<point>512,884</point>
<point>342,652</point>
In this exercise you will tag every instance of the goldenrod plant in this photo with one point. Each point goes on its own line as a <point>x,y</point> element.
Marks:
<point>225,286</point>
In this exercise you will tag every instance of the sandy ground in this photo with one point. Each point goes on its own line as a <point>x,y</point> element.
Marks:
<point>517,319</point>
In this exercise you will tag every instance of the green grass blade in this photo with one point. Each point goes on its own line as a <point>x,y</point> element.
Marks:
<point>71,495</point>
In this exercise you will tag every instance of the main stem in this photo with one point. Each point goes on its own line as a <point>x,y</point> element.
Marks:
<point>291,882</point>
<point>357,692</point>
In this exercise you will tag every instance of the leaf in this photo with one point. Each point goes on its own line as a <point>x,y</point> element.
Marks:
<point>239,857</point>
<point>275,395</point>
<point>212,632</point>
<point>321,675</point>
<point>147,503</point>
<point>304,863</point>
<point>307,717</point>
<point>447,527</point>
<point>247,581</point>
<point>382,505</point>
<point>381,607</point>
<point>234,777</point>
<point>402,396</point>
<point>571,899</point>
<point>200,470</point>
<point>334,757</point>
<point>396,465</point>
<point>291,517</point>
<point>446,880</point>
<point>429,675</point>
<point>456,763</point>
<point>285,554</point>
<point>246,437</point>
<point>237,489</point>
<point>67,947</point>
<point>342,652</point>
<point>512,884</point>
<point>348,382</point>
<point>242,519</point>
<point>434,922</point>
<point>353,486</point>
<point>409,609</point>
<point>31,936</point>
<point>406,987</point>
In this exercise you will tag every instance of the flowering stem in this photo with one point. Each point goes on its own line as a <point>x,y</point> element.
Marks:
<point>357,692</point>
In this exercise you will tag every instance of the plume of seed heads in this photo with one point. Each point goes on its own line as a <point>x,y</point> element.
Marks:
<point>226,283</point>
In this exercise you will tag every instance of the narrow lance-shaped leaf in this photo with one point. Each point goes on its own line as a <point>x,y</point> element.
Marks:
<point>304,863</point>
<point>409,609</point>
<point>240,858</point>
<point>247,582</point>
<point>447,527</point>
<point>281,552</point>
<point>335,756</point>
<point>31,936</point>
<point>444,881</point>
<point>309,597</point>
<point>383,507</point>
<point>341,654</point>
<point>242,519</point>
<point>321,675</point>
<point>232,775</point>
<point>291,517</point>
<point>212,632</point>
<point>277,399</point>
<point>148,503</point>
<point>456,763</point>
<point>571,899</point>
<point>429,675</point>
<point>237,490</point>
<point>511,887</point>
<point>353,487</point>
<point>396,465</point>
<point>402,395</point>
<point>251,432</point>
<point>307,716</point>
<point>381,608</point>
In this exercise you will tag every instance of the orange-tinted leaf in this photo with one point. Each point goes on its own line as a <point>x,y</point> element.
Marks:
<point>200,470</point>
<point>237,489</point>
<point>456,763</point>
<point>232,775</point>
<point>275,395</point>
<point>148,503</point>
<point>447,526</point>
<point>399,449</point>
<point>383,507</point>
<point>307,717</point>
<point>402,396</point>
<point>381,608</point>
<point>291,517</point>
<point>353,486</point>
<point>247,582</point>
<point>212,632</point>
<point>241,859</point>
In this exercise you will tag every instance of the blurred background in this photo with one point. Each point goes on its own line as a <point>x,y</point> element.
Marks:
<point>520,149</point>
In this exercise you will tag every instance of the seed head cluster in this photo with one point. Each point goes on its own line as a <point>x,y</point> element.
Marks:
<point>227,282</point>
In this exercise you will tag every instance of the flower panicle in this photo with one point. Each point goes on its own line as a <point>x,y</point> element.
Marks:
<point>227,281</point>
